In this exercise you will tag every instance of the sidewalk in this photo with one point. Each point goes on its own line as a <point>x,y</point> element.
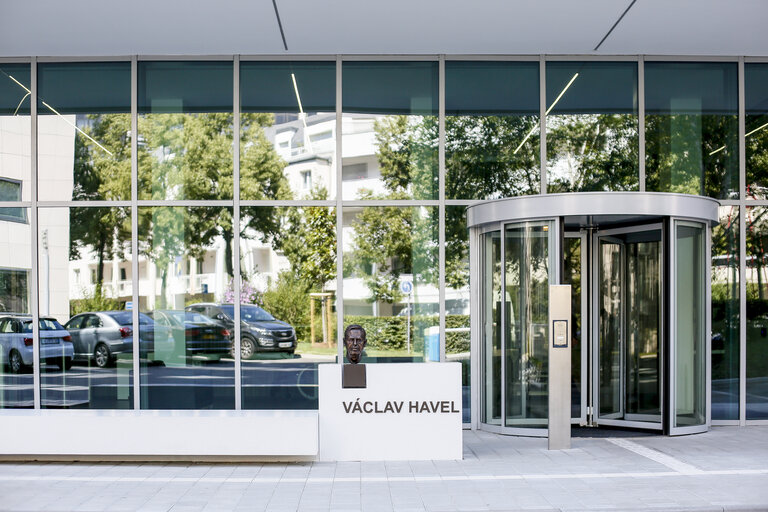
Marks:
<point>725,469</point>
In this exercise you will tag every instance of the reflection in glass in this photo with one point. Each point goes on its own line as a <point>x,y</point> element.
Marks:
<point>725,315</point>
<point>610,293</point>
<point>83,131</point>
<point>457,297</point>
<point>491,129</point>
<point>526,307</point>
<point>572,275</point>
<point>691,128</point>
<point>288,130</point>
<point>291,275</point>
<point>390,130</point>
<point>186,267</point>
<point>391,281</point>
<point>490,261</point>
<point>756,129</point>
<point>690,344</point>
<point>185,130</point>
<point>16,345</point>
<point>86,349</point>
<point>15,138</point>
<point>757,313</point>
<point>592,125</point>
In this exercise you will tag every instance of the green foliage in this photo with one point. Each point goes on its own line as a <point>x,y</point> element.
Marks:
<point>406,147</point>
<point>308,240</point>
<point>94,301</point>
<point>288,300</point>
<point>389,333</point>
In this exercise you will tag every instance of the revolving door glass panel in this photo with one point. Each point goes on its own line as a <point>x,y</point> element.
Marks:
<point>629,326</point>
<point>491,327</point>
<point>528,272</point>
<point>690,326</point>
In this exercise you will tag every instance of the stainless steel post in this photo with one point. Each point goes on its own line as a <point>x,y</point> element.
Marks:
<point>559,367</point>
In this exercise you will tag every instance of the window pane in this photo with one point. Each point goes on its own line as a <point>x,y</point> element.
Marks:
<point>185,130</point>
<point>725,315</point>
<point>84,127</point>
<point>387,251</point>
<point>83,253</point>
<point>288,126</point>
<point>15,126</point>
<point>16,347</point>
<point>592,136</point>
<point>491,293</point>
<point>390,129</point>
<point>184,274</point>
<point>288,269</point>
<point>757,313</point>
<point>691,128</point>
<point>457,297</point>
<point>491,129</point>
<point>756,105</point>
<point>10,190</point>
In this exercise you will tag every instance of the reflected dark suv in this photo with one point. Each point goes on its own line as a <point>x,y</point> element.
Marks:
<point>259,331</point>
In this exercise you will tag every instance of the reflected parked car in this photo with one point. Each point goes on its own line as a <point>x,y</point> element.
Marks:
<point>260,331</point>
<point>17,346</point>
<point>101,336</point>
<point>200,334</point>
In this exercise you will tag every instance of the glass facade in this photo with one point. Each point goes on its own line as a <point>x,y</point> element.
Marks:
<point>164,226</point>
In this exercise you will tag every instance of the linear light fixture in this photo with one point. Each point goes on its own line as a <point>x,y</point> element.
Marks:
<point>303,116</point>
<point>573,78</point>
<point>745,136</point>
<point>61,116</point>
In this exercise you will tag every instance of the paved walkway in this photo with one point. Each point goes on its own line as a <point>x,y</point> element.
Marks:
<point>725,469</point>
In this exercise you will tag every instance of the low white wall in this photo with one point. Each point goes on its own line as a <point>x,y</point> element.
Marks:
<point>159,433</point>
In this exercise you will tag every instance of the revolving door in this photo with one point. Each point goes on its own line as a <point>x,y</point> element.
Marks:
<point>638,265</point>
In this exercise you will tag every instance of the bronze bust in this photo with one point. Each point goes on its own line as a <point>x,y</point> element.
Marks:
<point>354,342</point>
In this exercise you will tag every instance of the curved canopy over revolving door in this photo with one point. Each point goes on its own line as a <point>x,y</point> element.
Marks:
<point>638,264</point>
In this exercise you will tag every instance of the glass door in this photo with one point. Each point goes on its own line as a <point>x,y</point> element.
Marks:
<point>690,362</point>
<point>627,306</point>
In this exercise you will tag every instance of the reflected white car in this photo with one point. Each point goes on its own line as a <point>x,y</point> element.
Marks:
<point>17,346</point>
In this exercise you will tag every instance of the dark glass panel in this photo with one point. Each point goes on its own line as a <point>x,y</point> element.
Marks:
<point>756,129</point>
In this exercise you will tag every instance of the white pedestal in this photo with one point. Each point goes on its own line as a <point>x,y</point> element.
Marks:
<point>408,411</point>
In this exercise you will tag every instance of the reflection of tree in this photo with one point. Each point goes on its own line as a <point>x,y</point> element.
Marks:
<point>101,175</point>
<point>692,154</point>
<point>599,150</point>
<point>757,155</point>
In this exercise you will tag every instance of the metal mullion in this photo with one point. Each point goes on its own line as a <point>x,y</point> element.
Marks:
<point>730,202</point>
<point>15,60</point>
<point>339,217</point>
<point>236,278</point>
<point>395,202</point>
<point>542,124</point>
<point>441,207</point>
<point>185,203</point>
<point>590,57</point>
<point>289,58</point>
<point>641,122</point>
<point>692,58</point>
<point>82,204</point>
<point>135,278</point>
<point>503,327</point>
<point>33,224</point>
<point>208,58</point>
<point>463,202</point>
<point>17,204</point>
<point>392,58</point>
<point>755,59</point>
<point>53,59</point>
<point>743,248</point>
<point>493,57</point>
<point>303,203</point>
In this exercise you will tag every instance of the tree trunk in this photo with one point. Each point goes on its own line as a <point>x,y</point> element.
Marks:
<point>227,236</point>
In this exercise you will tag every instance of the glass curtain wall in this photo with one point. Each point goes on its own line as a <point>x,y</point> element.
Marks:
<point>491,129</point>
<point>16,344</point>
<point>592,123</point>
<point>287,254</point>
<point>756,129</point>
<point>757,313</point>
<point>692,128</point>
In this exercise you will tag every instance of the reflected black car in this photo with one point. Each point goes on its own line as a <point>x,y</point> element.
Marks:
<point>259,331</point>
<point>198,333</point>
<point>103,335</point>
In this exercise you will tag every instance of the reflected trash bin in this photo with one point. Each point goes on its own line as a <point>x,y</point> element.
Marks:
<point>432,344</point>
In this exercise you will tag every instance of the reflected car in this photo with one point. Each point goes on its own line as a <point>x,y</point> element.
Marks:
<point>260,331</point>
<point>17,346</point>
<point>201,334</point>
<point>103,335</point>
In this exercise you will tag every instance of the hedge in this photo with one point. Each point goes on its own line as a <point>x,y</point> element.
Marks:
<point>389,332</point>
